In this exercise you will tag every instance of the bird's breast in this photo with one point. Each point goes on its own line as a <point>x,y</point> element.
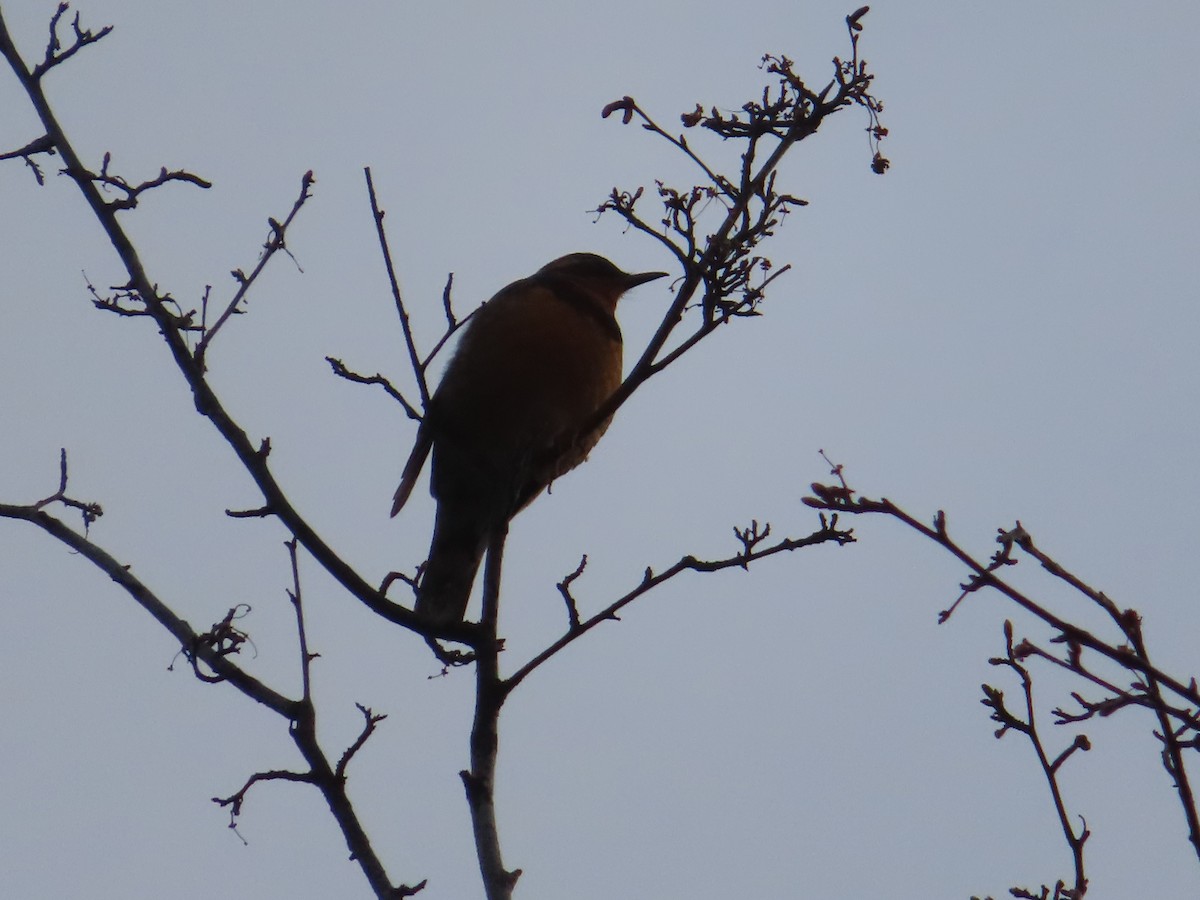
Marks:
<point>530,370</point>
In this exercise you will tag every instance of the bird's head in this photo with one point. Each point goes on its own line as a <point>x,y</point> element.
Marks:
<point>597,275</point>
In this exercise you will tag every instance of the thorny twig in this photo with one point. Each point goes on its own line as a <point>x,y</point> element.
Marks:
<point>126,301</point>
<point>329,779</point>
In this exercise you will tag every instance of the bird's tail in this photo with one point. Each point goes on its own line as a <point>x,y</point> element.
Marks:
<point>460,537</point>
<point>412,469</point>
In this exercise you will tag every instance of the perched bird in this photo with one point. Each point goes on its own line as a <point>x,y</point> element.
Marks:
<point>532,367</point>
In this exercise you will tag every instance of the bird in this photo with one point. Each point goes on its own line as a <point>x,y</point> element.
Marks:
<point>533,366</point>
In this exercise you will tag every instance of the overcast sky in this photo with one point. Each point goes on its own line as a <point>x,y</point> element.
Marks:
<point>1003,326</point>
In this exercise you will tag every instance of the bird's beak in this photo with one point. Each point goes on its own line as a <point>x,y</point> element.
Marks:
<point>633,280</point>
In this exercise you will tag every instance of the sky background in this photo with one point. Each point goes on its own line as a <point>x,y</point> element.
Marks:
<point>1002,327</point>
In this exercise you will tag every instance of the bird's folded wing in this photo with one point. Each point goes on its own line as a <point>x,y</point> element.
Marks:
<point>412,469</point>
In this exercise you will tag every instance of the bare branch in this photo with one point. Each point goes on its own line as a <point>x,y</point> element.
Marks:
<point>260,512</point>
<point>722,263</point>
<point>132,192</point>
<point>839,499</point>
<point>827,533</point>
<point>126,301</point>
<point>418,365</point>
<point>191,365</point>
<point>273,244</point>
<point>205,648</point>
<point>401,311</point>
<point>38,145</point>
<point>1177,725</point>
<point>234,801</point>
<point>90,511</point>
<point>295,597</point>
<point>340,370</point>
<point>55,52</point>
<point>1168,735</point>
<point>564,588</point>
<point>453,323</point>
<point>370,721</point>
<point>490,693</point>
<point>221,640</point>
<point>994,699</point>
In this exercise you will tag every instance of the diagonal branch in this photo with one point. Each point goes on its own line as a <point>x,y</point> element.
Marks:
<point>410,343</point>
<point>834,499</point>
<point>194,645</point>
<point>273,244</point>
<point>827,533</point>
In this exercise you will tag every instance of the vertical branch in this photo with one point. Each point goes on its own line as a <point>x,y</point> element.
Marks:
<point>1075,841</point>
<point>301,633</point>
<point>413,357</point>
<point>994,700</point>
<point>480,781</point>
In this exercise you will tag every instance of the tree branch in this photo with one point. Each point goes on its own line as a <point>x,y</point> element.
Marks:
<point>195,646</point>
<point>827,533</point>
<point>253,457</point>
<point>480,781</point>
<point>994,699</point>
<point>834,499</point>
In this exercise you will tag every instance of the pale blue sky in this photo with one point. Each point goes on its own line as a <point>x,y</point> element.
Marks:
<point>1003,327</point>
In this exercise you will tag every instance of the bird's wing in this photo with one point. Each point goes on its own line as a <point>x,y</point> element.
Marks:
<point>412,469</point>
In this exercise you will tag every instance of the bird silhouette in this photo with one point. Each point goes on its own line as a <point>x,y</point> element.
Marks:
<point>533,366</point>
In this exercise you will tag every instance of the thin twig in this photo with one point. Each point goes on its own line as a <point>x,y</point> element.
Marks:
<point>273,244</point>
<point>370,721</point>
<point>55,54</point>
<point>340,370</point>
<point>994,699</point>
<point>401,310</point>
